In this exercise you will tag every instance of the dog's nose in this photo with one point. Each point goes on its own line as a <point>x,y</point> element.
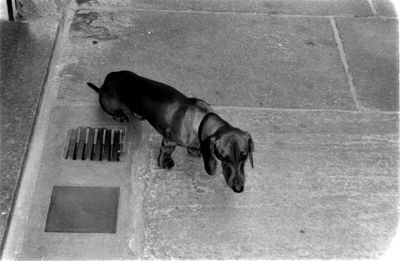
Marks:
<point>238,189</point>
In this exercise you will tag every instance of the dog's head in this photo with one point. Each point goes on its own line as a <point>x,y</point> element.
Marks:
<point>232,147</point>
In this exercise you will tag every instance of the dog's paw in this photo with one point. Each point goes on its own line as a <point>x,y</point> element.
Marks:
<point>195,153</point>
<point>166,163</point>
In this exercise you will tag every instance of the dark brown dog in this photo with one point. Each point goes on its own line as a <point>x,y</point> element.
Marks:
<point>182,121</point>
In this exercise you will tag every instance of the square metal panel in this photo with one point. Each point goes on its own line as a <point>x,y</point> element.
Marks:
<point>83,209</point>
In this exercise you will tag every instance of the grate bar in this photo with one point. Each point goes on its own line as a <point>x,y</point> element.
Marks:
<point>107,145</point>
<point>81,143</point>
<point>73,134</point>
<point>98,148</point>
<point>116,146</point>
<point>96,144</point>
<point>89,144</point>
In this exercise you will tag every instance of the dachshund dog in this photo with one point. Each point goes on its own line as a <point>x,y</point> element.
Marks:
<point>182,121</point>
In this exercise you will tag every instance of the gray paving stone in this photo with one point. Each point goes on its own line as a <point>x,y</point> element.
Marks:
<point>289,7</point>
<point>325,185</point>
<point>55,170</point>
<point>33,9</point>
<point>226,59</point>
<point>385,7</point>
<point>371,47</point>
<point>25,54</point>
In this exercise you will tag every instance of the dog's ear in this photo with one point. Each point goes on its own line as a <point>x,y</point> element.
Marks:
<point>250,149</point>
<point>207,151</point>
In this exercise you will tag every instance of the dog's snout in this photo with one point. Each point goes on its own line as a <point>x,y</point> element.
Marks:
<point>238,185</point>
<point>234,177</point>
<point>238,188</point>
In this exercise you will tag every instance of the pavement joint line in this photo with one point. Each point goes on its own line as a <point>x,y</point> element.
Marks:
<point>304,110</point>
<point>366,111</point>
<point>343,58</point>
<point>372,7</point>
<point>110,9</point>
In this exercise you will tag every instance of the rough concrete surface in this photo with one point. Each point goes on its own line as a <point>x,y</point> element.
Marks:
<point>33,9</point>
<point>324,186</point>
<point>57,171</point>
<point>285,64</point>
<point>296,75</point>
<point>25,55</point>
<point>273,7</point>
<point>385,7</point>
<point>371,47</point>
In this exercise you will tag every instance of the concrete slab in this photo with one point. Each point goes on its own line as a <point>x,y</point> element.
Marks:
<point>371,47</point>
<point>292,7</point>
<point>25,54</point>
<point>3,11</point>
<point>226,59</point>
<point>325,185</point>
<point>33,9</point>
<point>385,7</point>
<point>54,170</point>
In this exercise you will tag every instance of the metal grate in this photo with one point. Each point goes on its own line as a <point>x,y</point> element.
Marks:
<point>96,144</point>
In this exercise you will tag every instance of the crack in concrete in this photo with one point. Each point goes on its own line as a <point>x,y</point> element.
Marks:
<point>372,7</point>
<point>61,103</point>
<point>134,9</point>
<point>343,58</point>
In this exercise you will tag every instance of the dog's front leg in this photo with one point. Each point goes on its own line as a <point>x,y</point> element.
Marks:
<point>165,160</point>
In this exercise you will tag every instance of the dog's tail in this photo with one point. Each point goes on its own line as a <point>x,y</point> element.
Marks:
<point>94,87</point>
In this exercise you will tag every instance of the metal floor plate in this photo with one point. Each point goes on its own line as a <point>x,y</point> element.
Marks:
<point>83,209</point>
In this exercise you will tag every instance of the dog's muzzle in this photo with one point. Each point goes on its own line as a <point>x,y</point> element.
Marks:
<point>233,178</point>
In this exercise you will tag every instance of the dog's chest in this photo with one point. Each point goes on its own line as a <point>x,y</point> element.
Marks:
<point>187,132</point>
<point>187,137</point>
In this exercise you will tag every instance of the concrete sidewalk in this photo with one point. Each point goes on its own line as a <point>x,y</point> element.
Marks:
<point>314,82</point>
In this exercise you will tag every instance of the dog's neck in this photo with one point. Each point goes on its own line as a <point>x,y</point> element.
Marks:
<point>209,125</point>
